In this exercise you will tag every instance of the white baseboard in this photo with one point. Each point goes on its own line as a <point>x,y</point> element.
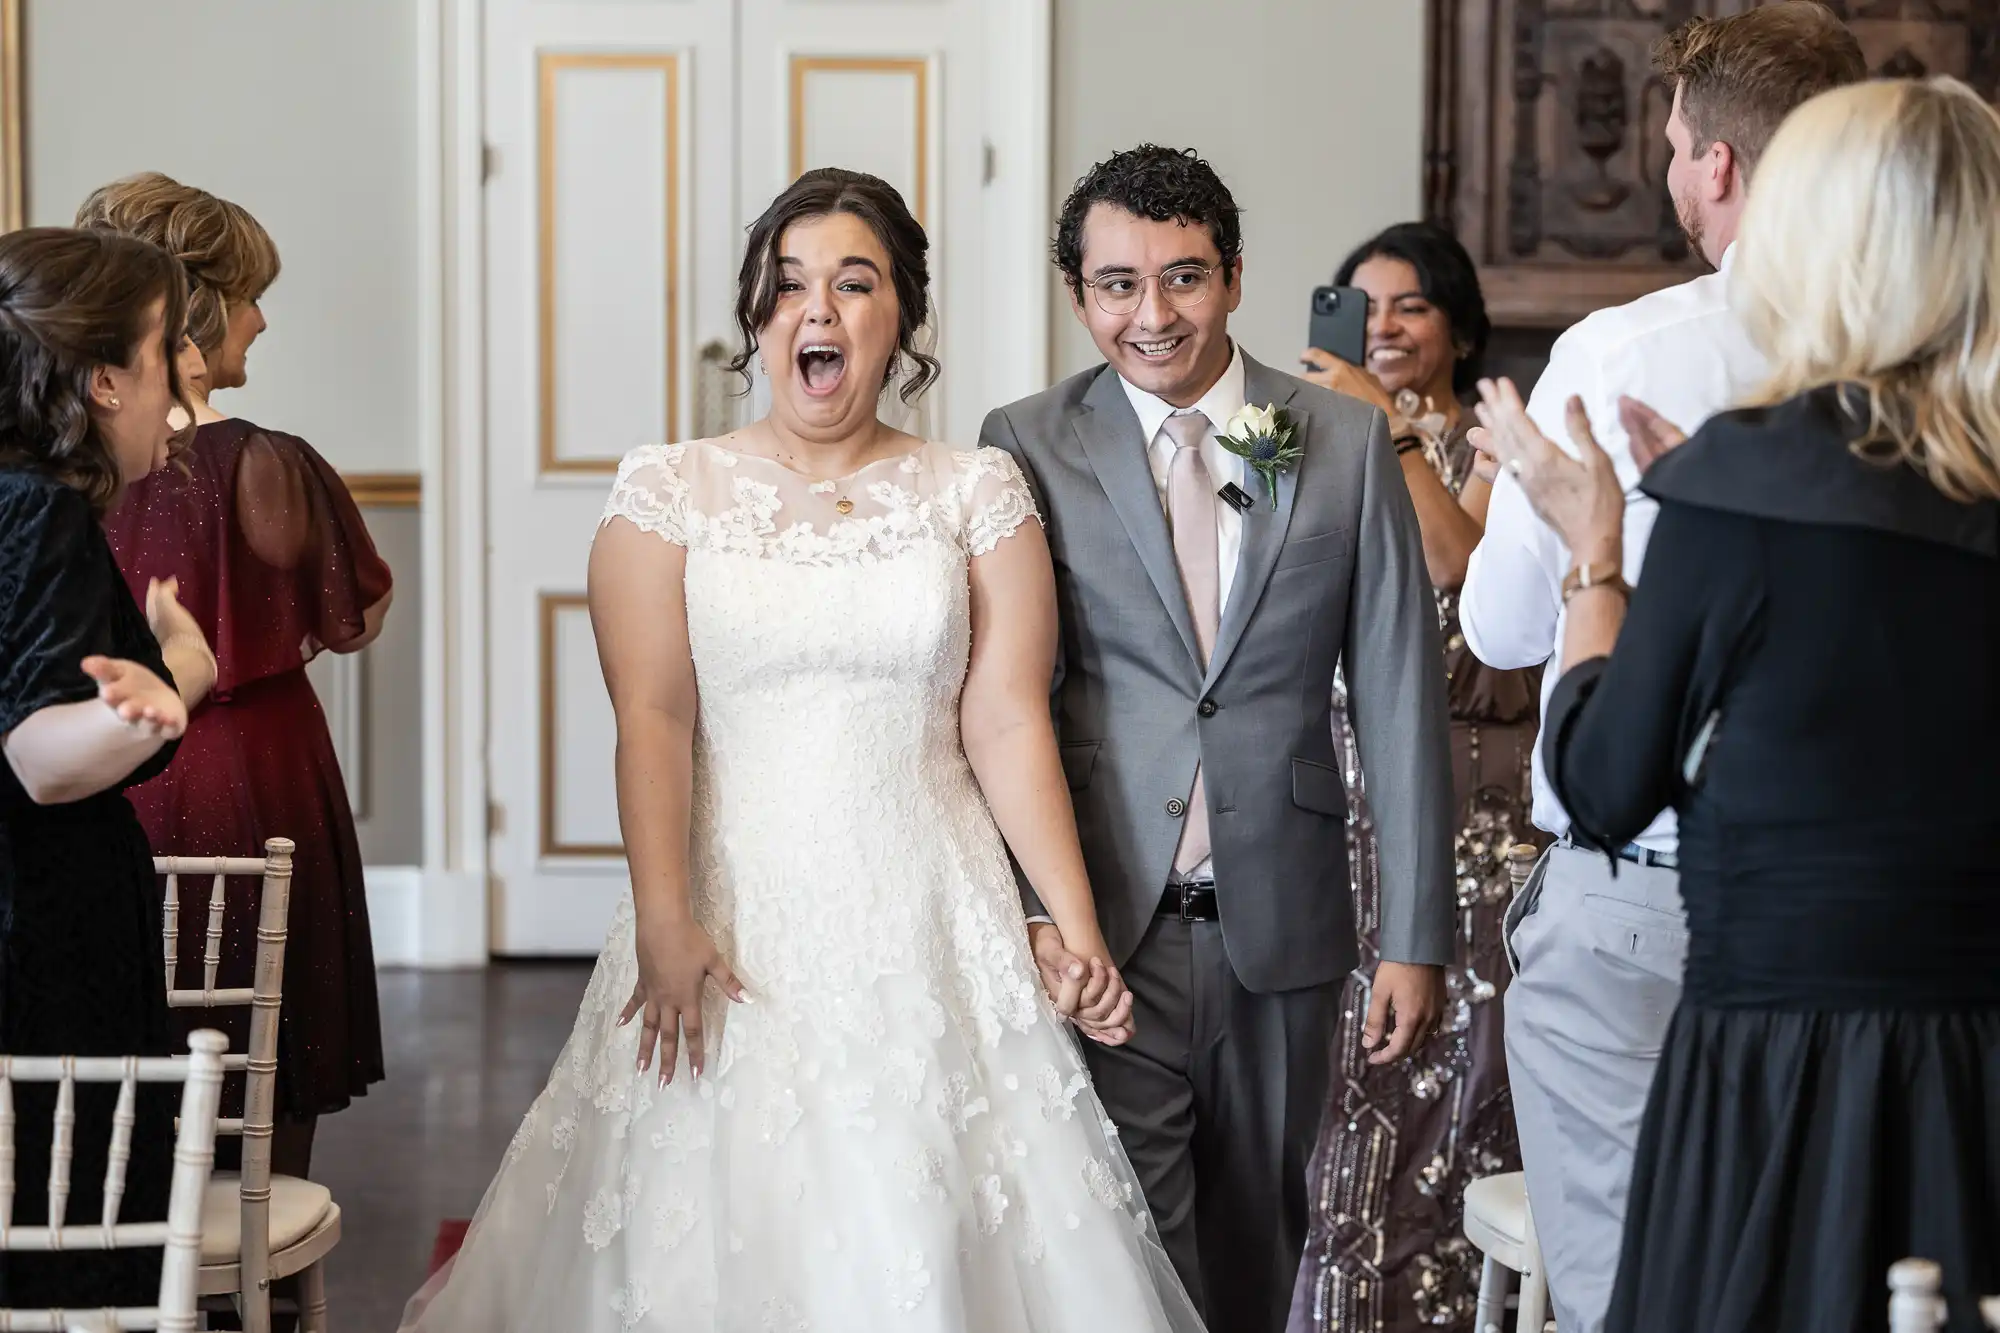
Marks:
<point>431,919</point>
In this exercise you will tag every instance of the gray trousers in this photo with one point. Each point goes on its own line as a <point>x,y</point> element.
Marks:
<point>1597,974</point>
<point>1217,1102</point>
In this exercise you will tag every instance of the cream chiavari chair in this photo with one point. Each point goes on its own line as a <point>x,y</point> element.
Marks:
<point>1498,1220</point>
<point>200,1077</point>
<point>256,1227</point>
<point>1916,1302</point>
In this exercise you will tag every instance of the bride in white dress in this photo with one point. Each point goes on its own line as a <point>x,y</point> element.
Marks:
<point>863,1112</point>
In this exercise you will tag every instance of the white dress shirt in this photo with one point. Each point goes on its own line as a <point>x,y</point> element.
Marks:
<point>1223,401</point>
<point>1683,353</point>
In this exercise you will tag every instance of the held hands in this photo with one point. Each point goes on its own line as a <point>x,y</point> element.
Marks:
<point>1411,994</point>
<point>140,698</point>
<point>676,961</point>
<point>1091,994</point>
<point>1579,497</point>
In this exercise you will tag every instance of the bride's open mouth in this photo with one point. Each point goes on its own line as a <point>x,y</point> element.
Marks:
<point>822,366</point>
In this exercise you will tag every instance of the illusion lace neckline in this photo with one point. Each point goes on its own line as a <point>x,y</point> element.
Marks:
<point>907,461</point>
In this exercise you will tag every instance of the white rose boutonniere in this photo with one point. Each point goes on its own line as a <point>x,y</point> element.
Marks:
<point>1262,437</point>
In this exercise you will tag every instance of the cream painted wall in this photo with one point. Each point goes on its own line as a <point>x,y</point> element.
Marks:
<point>304,112</point>
<point>1311,110</point>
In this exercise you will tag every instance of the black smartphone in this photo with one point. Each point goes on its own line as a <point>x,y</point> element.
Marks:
<point>1340,323</point>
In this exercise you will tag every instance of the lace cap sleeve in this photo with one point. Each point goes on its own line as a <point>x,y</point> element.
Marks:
<point>651,492</point>
<point>997,500</point>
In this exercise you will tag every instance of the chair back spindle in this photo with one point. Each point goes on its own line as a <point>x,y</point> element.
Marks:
<point>272,874</point>
<point>1521,858</point>
<point>178,1236</point>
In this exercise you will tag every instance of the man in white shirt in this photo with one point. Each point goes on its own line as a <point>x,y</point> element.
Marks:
<point>1598,948</point>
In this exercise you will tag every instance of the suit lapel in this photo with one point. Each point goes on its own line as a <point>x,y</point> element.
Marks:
<point>1263,528</point>
<point>1109,432</point>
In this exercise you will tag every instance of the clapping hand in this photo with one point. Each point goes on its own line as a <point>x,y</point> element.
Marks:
<point>1579,497</point>
<point>1484,465</point>
<point>1090,993</point>
<point>139,697</point>
<point>173,625</point>
<point>1651,434</point>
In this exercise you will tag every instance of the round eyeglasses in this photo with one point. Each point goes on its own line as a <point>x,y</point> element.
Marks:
<point>1183,285</point>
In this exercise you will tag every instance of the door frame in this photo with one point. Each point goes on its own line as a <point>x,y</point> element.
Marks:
<point>450,922</point>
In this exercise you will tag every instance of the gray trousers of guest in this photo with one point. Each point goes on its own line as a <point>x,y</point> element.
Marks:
<point>1597,974</point>
<point>1217,1101</point>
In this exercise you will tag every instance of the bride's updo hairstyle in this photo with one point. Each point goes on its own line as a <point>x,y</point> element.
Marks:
<point>822,193</point>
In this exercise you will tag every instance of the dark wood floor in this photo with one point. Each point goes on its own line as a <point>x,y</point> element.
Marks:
<point>467,1052</point>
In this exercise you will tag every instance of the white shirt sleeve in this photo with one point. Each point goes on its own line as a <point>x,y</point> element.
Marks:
<point>1511,602</point>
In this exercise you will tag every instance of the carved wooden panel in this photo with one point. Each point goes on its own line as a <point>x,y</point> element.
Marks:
<point>1545,137</point>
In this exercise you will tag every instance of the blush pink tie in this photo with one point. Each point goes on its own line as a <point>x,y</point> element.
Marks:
<point>1191,515</point>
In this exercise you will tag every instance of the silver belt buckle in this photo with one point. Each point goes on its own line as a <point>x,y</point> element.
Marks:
<point>1187,901</point>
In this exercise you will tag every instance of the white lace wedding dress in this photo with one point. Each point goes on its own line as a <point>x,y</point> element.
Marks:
<point>897,1133</point>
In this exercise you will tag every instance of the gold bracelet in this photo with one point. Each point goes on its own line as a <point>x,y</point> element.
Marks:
<point>1586,575</point>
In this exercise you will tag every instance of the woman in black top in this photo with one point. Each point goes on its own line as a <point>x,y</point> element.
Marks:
<point>93,693</point>
<point>1807,674</point>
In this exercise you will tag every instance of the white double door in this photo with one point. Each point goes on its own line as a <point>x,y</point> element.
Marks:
<point>629,144</point>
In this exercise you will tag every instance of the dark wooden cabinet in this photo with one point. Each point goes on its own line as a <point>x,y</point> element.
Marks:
<point>1545,137</point>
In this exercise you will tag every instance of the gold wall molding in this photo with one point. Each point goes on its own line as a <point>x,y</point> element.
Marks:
<point>13,104</point>
<point>552,65</point>
<point>916,67</point>
<point>553,604</point>
<point>385,490</point>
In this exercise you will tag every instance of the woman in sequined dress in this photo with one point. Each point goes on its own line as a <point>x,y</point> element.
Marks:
<point>276,565</point>
<point>1399,1143</point>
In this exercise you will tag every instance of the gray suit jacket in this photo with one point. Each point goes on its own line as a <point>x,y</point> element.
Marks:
<point>1335,576</point>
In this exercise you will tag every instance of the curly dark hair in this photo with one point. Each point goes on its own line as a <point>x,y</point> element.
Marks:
<point>1448,279</point>
<point>71,301</point>
<point>822,193</point>
<point>1163,184</point>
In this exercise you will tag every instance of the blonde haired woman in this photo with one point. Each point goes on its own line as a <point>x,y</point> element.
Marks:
<point>275,564</point>
<point>1806,674</point>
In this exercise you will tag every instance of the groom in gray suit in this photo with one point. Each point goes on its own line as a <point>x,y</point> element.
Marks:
<point>1203,617</point>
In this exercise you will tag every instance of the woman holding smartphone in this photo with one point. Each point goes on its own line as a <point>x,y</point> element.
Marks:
<point>1400,1143</point>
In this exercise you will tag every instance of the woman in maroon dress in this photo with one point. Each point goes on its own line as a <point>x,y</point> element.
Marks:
<point>275,564</point>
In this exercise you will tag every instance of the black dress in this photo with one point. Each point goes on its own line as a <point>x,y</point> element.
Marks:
<point>1828,1101</point>
<point>80,916</point>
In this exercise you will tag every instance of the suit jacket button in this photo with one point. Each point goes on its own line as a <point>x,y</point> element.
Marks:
<point>1176,807</point>
<point>1206,708</point>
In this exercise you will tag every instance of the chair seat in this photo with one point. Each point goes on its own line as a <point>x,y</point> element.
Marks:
<point>297,1208</point>
<point>1496,1218</point>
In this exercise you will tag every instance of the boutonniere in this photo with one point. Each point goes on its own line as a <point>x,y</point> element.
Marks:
<point>1262,437</point>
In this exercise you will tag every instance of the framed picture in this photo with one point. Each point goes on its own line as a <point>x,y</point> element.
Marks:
<point>13,193</point>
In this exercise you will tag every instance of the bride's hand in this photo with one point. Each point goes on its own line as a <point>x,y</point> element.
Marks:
<point>1104,1009</point>
<point>1109,1021</point>
<point>676,960</point>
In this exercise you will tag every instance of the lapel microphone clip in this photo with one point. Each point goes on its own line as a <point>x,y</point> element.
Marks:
<point>1236,498</point>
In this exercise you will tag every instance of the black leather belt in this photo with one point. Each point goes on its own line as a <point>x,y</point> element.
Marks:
<point>1190,902</point>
